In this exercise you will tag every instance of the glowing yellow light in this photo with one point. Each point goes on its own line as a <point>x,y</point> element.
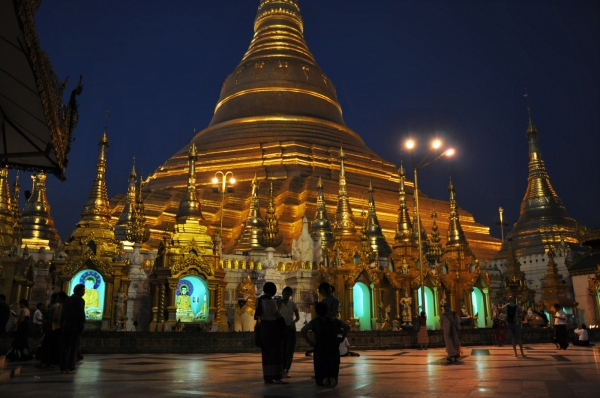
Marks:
<point>215,180</point>
<point>450,152</point>
<point>410,144</point>
<point>232,180</point>
<point>436,144</point>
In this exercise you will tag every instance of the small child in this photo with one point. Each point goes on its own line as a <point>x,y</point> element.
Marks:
<point>344,350</point>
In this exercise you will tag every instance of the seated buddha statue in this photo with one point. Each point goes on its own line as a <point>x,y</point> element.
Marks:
<point>184,305</point>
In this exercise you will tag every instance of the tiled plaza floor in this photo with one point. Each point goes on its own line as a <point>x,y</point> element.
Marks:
<point>484,371</point>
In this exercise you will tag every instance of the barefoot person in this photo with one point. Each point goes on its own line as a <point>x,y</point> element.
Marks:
<point>329,333</point>
<point>450,323</point>
<point>289,312</point>
<point>422,336</point>
<point>560,327</point>
<point>269,334</point>
<point>514,313</point>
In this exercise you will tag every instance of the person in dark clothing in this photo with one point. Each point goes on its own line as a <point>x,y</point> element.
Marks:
<point>72,321</point>
<point>4,313</point>
<point>43,352</point>
<point>329,332</point>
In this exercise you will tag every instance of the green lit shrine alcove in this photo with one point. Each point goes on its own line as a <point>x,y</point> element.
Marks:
<point>429,307</point>
<point>95,289</point>
<point>362,305</point>
<point>478,305</point>
<point>191,299</point>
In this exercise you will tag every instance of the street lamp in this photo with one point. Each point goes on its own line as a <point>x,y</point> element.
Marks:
<point>435,145</point>
<point>225,186</point>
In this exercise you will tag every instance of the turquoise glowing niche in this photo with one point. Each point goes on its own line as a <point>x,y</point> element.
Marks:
<point>191,299</point>
<point>362,305</point>
<point>94,293</point>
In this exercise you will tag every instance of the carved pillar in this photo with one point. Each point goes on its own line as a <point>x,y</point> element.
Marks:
<point>155,298</point>
<point>350,302</point>
<point>488,307</point>
<point>171,308</point>
<point>398,310</point>
<point>161,307</point>
<point>107,317</point>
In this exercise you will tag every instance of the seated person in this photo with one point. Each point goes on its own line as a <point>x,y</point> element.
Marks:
<point>344,350</point>
<point>582,334</point>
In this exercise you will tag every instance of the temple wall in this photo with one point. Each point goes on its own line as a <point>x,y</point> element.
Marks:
<point>586,308</point>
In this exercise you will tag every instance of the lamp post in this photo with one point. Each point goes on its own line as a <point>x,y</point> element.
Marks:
<point>501,210</point>
<point>435,145</point>
<point>223,187</point>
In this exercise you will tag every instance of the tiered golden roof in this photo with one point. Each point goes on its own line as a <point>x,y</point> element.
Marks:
<point>278,116</point>
<point>434,250</point>
<point>457,253</point>
<point>270,235</point>
<point>405,247</point>
<point>189,207</point>
<point>38,224</point>
<point>542,211</point>
<point>139,232</point>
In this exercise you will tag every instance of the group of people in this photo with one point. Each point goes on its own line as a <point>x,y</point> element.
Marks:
<point>276,335</point>
<point>62,325</point>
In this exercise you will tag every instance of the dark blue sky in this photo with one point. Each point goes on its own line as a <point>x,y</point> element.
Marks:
<point>456,69</point>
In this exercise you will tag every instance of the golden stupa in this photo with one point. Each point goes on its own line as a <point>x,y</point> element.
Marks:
<point>278,116</point>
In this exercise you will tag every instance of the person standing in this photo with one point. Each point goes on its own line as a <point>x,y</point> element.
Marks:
<point>38,318</point>
<point>422,336</point>
<point>514,314</point>
<point>19,350</point>
<point>560,328</point>
<point>289,312</point>
<point>269,335</point>
<point>72,322</point>
<point>329,332</point>
<point>333,304</point>
<point>582,336</point>
<point>450,323</point>
<point>43,352</point>
<point>4,313</point>
<point>499,326</point>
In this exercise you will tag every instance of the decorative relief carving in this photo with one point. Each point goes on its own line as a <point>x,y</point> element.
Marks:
<point>103,267</point>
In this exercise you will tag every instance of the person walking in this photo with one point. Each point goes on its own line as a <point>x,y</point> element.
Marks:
<point>38,318</point>
<point>450,323</point>
<point>289,312</point>
<point>4,313</point>
<point>514,313</point>
<point>582,336</point>
<point>270,331</point>
<point>422,336</point>
<point>329,332</point>
<point>72,322</point>
<point>19,350</point>
<point>560,328</point>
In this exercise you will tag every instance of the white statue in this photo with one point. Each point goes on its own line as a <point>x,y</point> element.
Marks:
<point>303,248</point>
<point>406,302</point>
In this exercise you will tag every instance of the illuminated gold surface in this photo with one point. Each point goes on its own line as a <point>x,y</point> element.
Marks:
<point>18,220</point>
<point>38,224</point>
<point>270,234</point>
<point>514,280</point>
<point>373,229</point>
<point>435,250</point>
<point>6,212</point>
<point>292,138</point>
<point>541,209</point>
<point>123,225</point>
<point>252,231</point>
<point>189,207</point>
<point>321,227</point>
<point>96,207</point>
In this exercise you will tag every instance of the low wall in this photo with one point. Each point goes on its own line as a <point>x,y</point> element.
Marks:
<point>218,342</point>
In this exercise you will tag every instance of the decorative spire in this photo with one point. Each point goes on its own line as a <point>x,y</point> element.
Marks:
<point>189,207</point>
<point>456,236</point>
<point>404,228</point>
<point>123,226</point>
<point>435,250</point>
<point>373,228</point>
<point>321,227</point>
<point>97,206</point>
<point>6,213</point>
<point>139,231</point>
<point>16,211</point>
<point>270,234</point>
<point>38,224</point>
<point>344,219</point>
<point>253,227</point>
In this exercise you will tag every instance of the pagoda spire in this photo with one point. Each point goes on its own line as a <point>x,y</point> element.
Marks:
<point>97,207</point>
<point>18,221</point>
<point>6,213</point>
<point>344,219</point>
<point>456,236</point>
<point>321,227</point>
<point>270,234</point>
<point>139,231</point>
<point>189,207</point>
<point>373,228</point>
<point>126,218</point>
<point>38,224</point>
<point>253,227</point>
<point>435,250</point>
<point>404,227</point>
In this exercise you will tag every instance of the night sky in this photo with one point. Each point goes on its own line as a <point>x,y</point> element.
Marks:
<point>456,70</point>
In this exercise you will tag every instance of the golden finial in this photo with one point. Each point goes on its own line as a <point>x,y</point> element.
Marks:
<point>270,233</point>
<point>455,232</point>
<point>404,228</point>
<point>434,251</point>
<point>373,228</point>
<point>189,207</point>
<point>125,222</point>
<point>321,227</point>
<point>97,206</point>
<point>344,219</point>
<point>38,224</point>
<point>252,231</point>
<point>139,231</point>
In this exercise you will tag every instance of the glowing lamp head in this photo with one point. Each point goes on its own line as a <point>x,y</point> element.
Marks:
<point>436,144</point>
<point>232,180</point>
<point>410,144</point>
<point>450,152</point>
<point>215,180</point>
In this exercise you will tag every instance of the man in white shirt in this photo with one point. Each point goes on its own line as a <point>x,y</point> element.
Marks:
<point>560,328</point>
<point>582,334</point>
<point>289,312</point>
<point>38,318</point>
